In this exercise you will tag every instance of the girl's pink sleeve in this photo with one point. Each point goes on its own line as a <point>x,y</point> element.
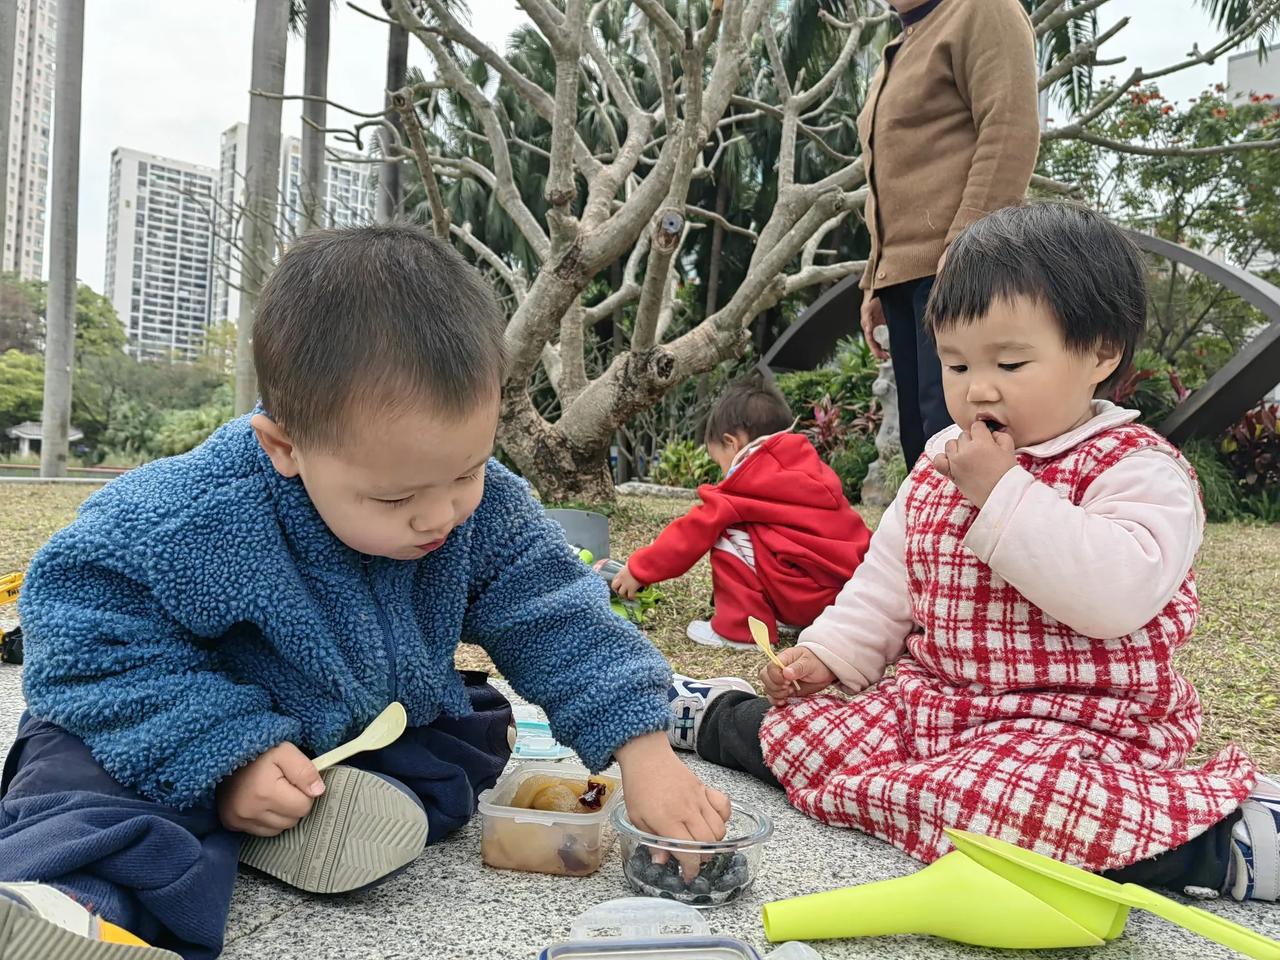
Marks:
<point>866,628</point>
<point>1104,568</point>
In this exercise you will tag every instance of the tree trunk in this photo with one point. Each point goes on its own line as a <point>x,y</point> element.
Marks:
<point>60,311</point>
<point>625,456</point>
<point>560,471</point>
<point>315,83</point>
<point>270,27</point>
<point>390,189</point>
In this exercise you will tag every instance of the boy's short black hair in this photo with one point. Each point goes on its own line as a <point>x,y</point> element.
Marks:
<point>1068,257</point>
<point>753,407</point>
<point>373,317</point>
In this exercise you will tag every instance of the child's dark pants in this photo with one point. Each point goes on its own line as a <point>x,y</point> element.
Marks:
<point>729,736</point>
<point>166,875</point>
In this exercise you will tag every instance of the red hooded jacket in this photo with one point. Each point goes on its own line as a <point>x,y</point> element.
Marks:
<point>806,536</point>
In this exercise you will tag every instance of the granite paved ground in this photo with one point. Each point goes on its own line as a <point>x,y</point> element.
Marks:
<point>447,905</point>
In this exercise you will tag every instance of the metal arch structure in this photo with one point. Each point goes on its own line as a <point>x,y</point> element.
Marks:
<point>1247,376</point>
<point>1234,389</point>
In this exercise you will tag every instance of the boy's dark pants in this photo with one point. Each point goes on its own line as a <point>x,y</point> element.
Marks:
<point>730,737</point>
<point>166,875</point>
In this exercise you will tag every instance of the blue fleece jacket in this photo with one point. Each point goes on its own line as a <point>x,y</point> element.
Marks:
<point>199,611</point>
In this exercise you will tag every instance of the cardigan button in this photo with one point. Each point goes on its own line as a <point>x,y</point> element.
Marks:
<point>910,31</point>
<point>880,275</point>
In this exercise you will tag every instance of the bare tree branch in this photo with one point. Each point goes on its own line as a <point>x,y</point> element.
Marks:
<point>1081,55</point>
<point>1120,146</point>
<point>402,101</point>
<point>1062,17</point>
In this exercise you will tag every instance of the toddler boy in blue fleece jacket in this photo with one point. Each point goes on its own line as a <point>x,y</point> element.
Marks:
<point>212,621</point>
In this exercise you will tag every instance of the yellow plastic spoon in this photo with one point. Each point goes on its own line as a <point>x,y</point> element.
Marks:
<point>760,634</point>
<point>382,732</point>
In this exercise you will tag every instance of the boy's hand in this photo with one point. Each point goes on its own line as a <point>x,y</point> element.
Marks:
<point>625,585</point>
<point>664,797</point>
<point>271,794</point>
<point>800,664</point>
<point>976,460</point>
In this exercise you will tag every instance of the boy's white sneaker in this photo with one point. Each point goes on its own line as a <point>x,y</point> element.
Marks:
<point>700,632</point>
<point>362,829</point>
<point>40,922</point>
<point>1254,872</point>
<point>689,700</point>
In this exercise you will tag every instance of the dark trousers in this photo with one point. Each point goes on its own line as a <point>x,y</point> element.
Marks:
<point>922,409</point>
<point>166,875</point>
<point>730,737</point>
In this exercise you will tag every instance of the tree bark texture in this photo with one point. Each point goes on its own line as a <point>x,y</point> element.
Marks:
<point>262,182</point>
<point>315,84</point>
<point>60,315</point>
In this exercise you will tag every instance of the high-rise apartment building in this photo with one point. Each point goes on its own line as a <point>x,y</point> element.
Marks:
<point>160,252</point>
<point>349,198</point>
<point>24,178</point>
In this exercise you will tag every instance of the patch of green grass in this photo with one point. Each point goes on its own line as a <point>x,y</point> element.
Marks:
<point>1233,660</point>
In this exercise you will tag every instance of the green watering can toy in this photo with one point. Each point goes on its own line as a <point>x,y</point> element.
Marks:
<point>994,894</point>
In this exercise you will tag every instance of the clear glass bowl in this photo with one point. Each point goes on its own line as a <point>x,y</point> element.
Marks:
<point>728,867</point>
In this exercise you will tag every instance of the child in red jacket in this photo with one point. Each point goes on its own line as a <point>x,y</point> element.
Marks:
<point>782,536</point>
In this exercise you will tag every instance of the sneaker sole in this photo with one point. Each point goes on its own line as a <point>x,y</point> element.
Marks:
<point>27,936</point>
<point>360,830</point>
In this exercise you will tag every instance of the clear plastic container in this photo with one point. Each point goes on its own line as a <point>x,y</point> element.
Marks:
<point>638,928</point>
<point>728,868</point>
<point>540,841</point>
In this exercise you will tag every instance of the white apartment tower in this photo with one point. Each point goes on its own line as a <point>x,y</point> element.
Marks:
<point>160,252</point>
<point>349,198</point>
<point>25,175</point>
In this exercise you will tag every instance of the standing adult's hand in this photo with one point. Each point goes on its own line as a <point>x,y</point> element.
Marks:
<point>872,317</point>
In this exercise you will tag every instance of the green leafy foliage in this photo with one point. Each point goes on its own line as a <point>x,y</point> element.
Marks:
<point>684,463</point>
<point>1252,449</point>
<point>838,411</point>
<point>1217,483</point>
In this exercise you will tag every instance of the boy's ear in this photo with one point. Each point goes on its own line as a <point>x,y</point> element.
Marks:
<point>731,442</point>
<point>1107,357</point>
<point>276,443</point>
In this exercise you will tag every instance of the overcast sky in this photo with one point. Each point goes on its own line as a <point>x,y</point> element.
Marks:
<point>168,78</point>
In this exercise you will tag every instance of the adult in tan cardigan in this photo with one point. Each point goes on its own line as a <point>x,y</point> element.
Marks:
<point>950,132</point>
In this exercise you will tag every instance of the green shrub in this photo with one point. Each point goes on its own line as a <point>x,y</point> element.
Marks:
<point>684,463</point>
<point>845,381</point>
<point>851,463</point>
<point>1264,506</point>
<point>895,475</point>
<point>1251,447</point>
<point>1217,482</point>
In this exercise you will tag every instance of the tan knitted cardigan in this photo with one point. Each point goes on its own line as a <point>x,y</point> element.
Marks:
<point>950,131</point>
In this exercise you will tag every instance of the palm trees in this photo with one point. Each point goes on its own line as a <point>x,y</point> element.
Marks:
<point>315,85</point>
<point>270,30</point>
<point>59,355</point>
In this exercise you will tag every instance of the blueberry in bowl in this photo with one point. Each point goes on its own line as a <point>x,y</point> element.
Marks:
<point>725,869</point>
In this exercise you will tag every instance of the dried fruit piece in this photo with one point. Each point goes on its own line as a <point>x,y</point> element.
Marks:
<point>593,797</point>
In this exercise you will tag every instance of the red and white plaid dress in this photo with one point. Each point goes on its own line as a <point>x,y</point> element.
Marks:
<point>1003,721</point>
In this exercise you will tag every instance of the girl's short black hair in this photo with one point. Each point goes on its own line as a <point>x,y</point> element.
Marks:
<point>373,318</point>
<point>753,407</point>
<point>1070,258</point>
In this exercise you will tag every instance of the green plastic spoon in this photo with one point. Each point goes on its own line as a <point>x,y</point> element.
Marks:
<point>382,732</point>
<point>1070,890</point>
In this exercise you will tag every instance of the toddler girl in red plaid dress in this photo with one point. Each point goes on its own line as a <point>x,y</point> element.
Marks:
<point>1030,583</point>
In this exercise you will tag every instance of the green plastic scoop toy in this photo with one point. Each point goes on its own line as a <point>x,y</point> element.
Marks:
<point>993,894</point>
<point>382,732</point>
<point>1089,898</point>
